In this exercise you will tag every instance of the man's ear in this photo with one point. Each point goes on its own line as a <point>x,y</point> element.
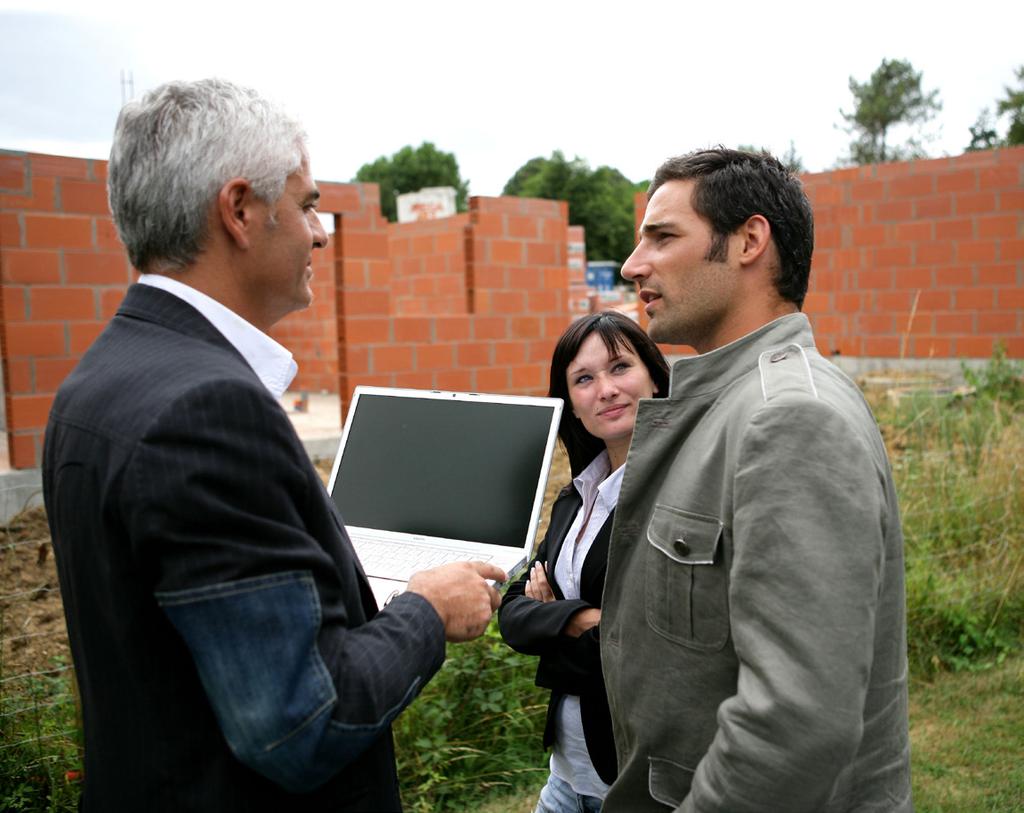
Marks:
<point>755,237</point>
<point>235,210</point>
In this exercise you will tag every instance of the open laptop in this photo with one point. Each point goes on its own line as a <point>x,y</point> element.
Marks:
<point>424,477</point>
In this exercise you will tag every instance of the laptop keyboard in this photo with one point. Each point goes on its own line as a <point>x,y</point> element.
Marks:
<point>399,560</point>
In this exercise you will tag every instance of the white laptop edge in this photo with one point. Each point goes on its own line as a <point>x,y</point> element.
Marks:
<point>384,589</point>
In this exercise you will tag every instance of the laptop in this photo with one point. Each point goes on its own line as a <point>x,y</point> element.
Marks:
<point>424,477</point>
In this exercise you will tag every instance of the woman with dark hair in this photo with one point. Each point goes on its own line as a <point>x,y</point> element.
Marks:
<point>602,366</point>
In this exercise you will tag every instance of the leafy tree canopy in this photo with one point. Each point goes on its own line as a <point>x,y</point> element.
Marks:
<point>892,96</point>
<point>984,135</point>
<point>790,159</point>
<point>600,200</point>
<point>1013,105</point>
<point>410,170</point>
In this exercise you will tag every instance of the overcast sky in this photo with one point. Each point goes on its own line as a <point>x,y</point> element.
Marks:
<point>624,84</point>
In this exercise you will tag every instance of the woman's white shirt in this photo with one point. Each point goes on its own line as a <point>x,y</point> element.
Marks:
<point>599,490</point>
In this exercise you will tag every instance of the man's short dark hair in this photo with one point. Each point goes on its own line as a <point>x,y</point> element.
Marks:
<point>730,186</point>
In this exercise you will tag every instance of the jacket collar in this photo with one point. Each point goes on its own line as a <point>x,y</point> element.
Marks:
<point>711,371</point>
<point>167,310</point>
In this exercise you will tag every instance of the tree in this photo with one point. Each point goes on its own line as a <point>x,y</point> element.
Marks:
<point>600,200</point>
<point>410,170</point>
<point>892,96</point>
<point>790,159</point>
<point>1014,105</point>
<point>984,135</point>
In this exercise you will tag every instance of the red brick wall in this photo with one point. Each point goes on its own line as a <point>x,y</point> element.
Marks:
<point>497,302</point>
<point>63,274</point>
<point>311,335</point>
<point>920,259</point>
<point>429,261</point>
<point>941,240</point>
<point>579,303</point>
<point>515,281</point>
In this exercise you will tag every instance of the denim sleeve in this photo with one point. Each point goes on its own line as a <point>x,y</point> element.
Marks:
<point>254,646</point>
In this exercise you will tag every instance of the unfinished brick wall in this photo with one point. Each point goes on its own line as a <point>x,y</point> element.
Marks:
<point>515,280</point>
<point>429,261</point>
<point>498,292</point>
<point>579,300</point>
<point>311,335</point>
<point>63,273</point>
<point>923,259</point>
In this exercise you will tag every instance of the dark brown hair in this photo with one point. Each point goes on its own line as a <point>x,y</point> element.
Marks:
<point>616,331</point>
<point>730,187</point>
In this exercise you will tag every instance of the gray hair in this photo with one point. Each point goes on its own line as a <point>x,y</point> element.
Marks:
<point>176,148</point>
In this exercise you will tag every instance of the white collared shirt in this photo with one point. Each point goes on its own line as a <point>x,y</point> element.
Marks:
<point>268,359</point>
<point>599,490</point>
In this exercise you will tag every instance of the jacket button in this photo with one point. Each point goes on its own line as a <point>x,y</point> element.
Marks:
<point>681,547</point>
<point>779,356</point>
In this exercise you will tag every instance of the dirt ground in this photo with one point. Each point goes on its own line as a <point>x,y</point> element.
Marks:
<point>33,636</point>
<point>32,631</point>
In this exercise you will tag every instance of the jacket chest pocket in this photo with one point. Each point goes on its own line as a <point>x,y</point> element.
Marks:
<point>687,584</point>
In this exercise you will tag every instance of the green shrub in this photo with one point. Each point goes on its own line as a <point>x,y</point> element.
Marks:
<point>474,731</point>
<point>1000,379</point>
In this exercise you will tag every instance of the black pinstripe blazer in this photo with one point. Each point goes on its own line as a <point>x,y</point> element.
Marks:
<point>169,467</point>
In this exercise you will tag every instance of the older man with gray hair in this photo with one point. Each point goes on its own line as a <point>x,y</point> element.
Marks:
<point>227,645</point>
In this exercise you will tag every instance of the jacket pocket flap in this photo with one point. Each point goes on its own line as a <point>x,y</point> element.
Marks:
<point>684,537</point>
<point>668,782</point>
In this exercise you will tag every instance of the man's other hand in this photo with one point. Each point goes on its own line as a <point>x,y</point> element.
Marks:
<point>461,595</point>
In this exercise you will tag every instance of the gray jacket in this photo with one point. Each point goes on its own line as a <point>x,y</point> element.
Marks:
<point>754,622</point>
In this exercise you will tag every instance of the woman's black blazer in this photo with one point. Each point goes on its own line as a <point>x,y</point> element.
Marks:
<point>567,665</point>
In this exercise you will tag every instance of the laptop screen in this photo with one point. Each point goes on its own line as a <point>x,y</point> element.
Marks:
<point>458,467</point>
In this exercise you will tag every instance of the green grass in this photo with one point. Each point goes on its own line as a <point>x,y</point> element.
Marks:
<point>967,740</point>
<point>39,743</point>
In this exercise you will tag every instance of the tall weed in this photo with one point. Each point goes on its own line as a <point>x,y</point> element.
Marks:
<point>958,464</point>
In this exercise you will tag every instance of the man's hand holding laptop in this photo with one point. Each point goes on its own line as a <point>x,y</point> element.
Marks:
<point>461,595</point>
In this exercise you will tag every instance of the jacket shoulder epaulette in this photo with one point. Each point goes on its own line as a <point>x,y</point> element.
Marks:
<point>786,369</point>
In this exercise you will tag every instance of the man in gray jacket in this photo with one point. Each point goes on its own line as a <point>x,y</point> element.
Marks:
<point>754,626</point>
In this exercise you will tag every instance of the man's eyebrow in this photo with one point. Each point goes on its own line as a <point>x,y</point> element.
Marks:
<point>651,228</point>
